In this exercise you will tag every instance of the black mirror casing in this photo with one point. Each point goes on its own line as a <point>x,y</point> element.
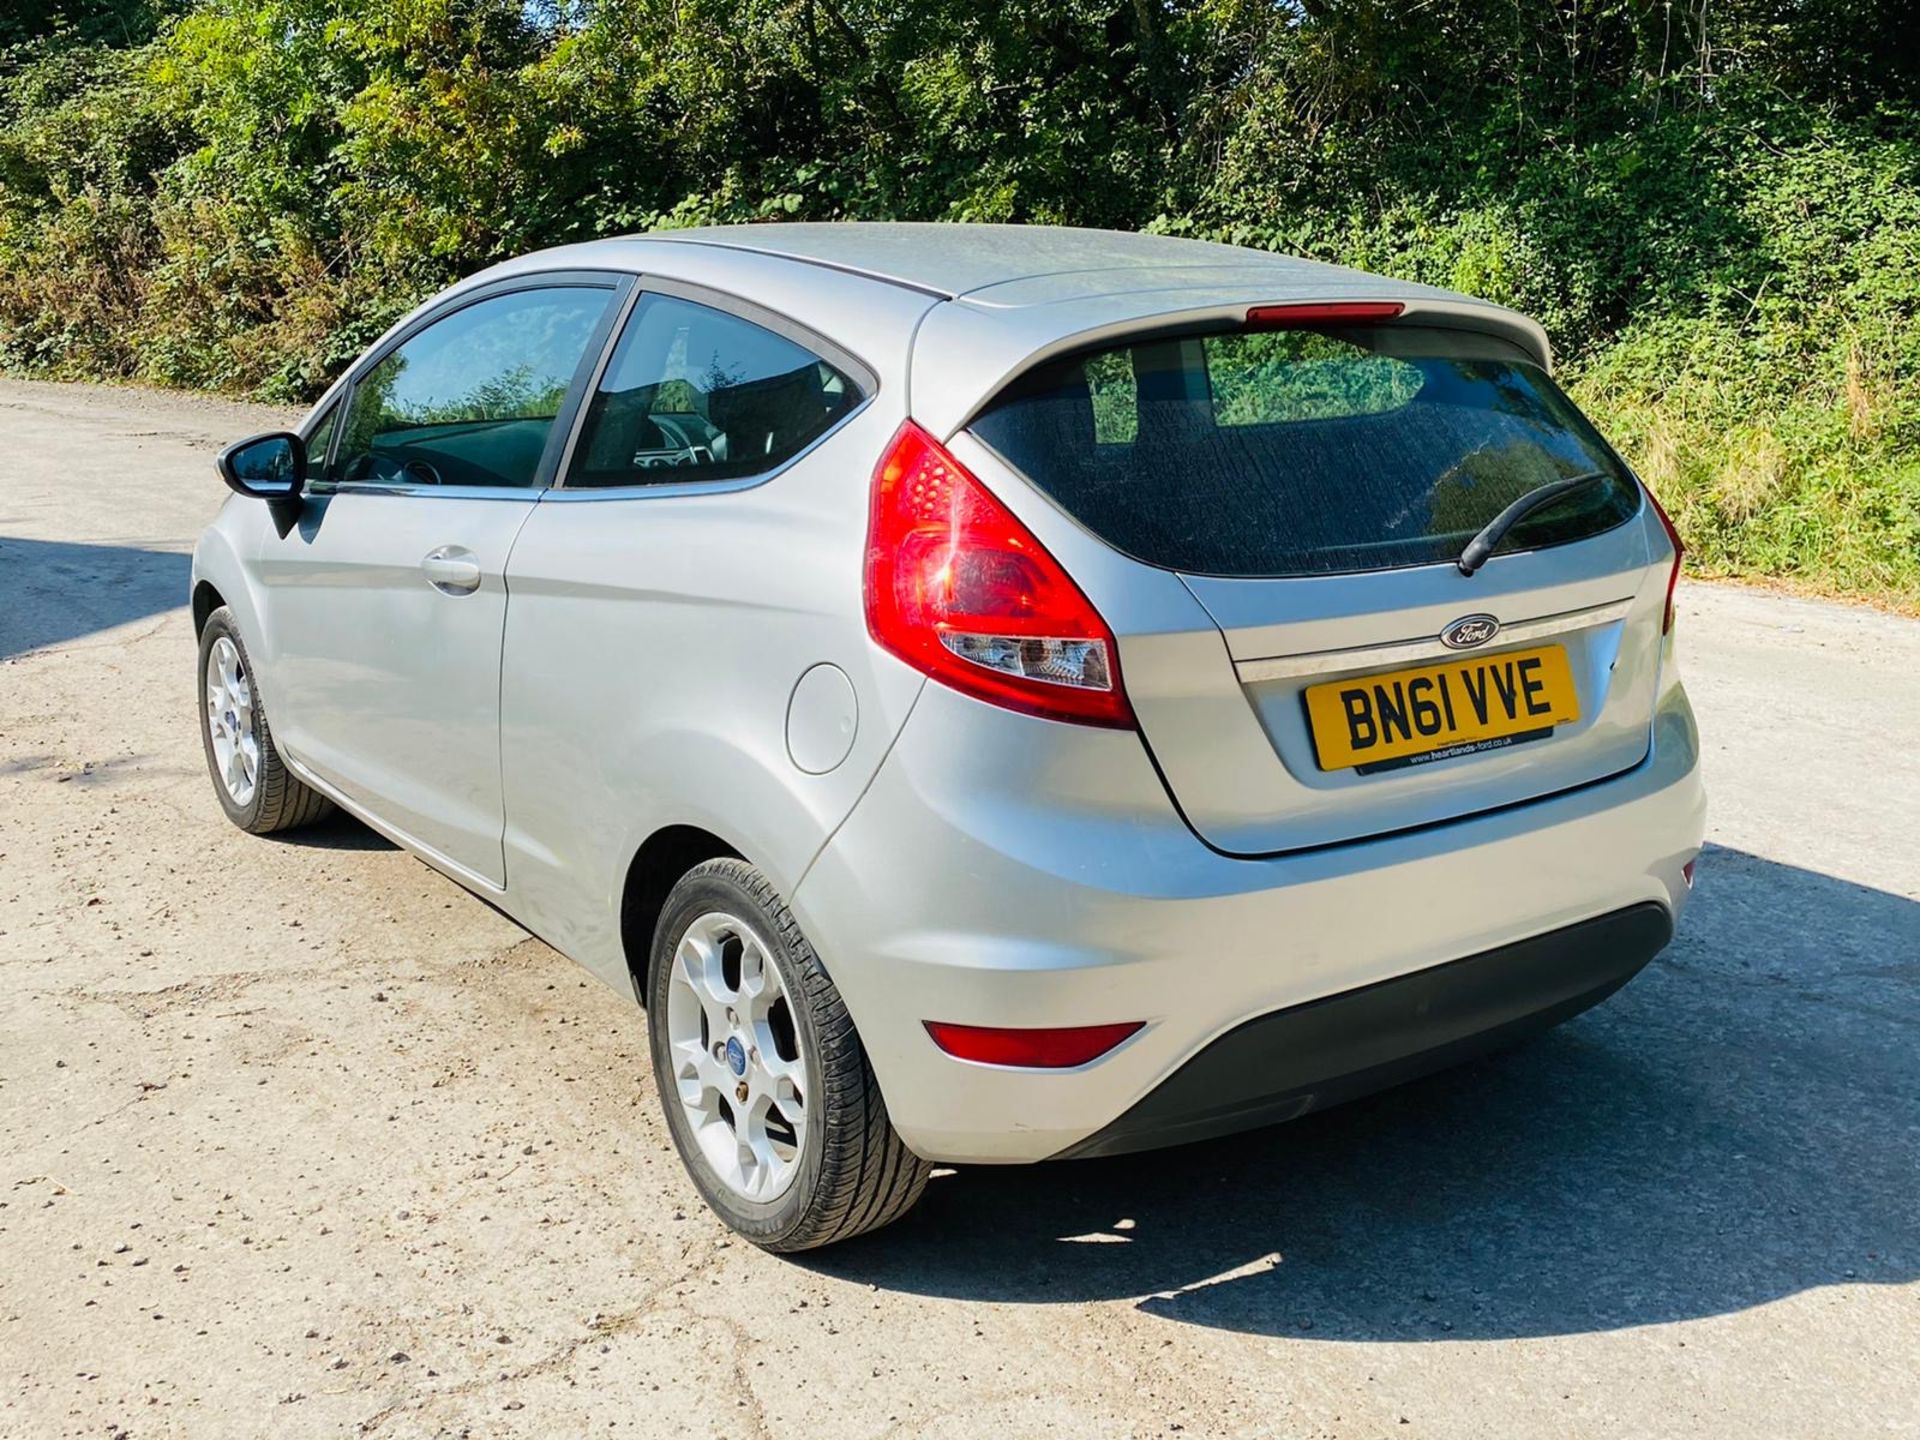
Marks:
<point>270,467</point>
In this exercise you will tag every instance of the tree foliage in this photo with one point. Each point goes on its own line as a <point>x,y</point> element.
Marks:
<point>1713,209</point>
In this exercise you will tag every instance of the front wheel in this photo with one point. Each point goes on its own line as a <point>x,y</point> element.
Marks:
<point>766,1087</point>
<point>254,786</point>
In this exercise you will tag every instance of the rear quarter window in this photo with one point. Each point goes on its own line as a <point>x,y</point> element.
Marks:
<point>695,393</point>
<point>1303,452</point>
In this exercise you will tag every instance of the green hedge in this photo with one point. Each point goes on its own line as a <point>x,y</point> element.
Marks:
<point>1719,227</point>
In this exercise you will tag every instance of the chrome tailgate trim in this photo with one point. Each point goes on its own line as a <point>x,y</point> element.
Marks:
<point>1404,652</point>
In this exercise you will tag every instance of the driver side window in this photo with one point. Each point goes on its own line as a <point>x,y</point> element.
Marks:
<point>471,399</point>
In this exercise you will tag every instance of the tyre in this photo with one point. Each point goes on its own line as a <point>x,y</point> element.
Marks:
<point>255,788</point>
<point>766,1087</point>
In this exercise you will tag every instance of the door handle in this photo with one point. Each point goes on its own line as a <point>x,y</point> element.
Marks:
<point>451,570</point>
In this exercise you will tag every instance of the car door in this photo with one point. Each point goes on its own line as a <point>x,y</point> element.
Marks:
<point>384,605</point>
<point>701,556</point>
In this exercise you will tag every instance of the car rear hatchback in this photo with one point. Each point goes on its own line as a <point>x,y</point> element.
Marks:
<point>1375,754</point>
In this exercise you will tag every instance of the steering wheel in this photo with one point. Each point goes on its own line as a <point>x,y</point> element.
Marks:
<point>374,469</point>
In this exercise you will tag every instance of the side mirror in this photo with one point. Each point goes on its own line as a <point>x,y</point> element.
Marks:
<point>271,467</point>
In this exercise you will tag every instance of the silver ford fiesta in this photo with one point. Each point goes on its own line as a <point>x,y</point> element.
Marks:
<point>991,694</point>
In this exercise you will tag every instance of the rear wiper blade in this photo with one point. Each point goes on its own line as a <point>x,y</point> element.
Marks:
<point>1482,545</point>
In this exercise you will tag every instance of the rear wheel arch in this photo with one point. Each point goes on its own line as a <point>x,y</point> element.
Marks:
<point>657,866</point>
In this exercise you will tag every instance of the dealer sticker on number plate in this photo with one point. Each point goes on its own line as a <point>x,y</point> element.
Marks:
<point>1434,712</point>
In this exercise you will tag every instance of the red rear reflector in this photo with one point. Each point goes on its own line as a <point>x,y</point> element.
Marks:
<point>1307,317</point>
<point>1686,872</point>
<point>963,592</point>
<point>1673,575</point>
<point>1030,1049</point>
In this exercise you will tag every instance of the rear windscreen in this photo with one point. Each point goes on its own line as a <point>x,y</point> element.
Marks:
<point>1305,452</point>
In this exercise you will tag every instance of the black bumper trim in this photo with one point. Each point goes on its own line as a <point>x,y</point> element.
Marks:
<point>1283,1065</point>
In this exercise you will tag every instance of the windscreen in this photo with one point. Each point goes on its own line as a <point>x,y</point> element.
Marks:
<point>1305,452</point>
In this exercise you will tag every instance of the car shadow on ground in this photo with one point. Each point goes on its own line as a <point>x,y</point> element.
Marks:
<point>53,591</point>
<point>1739,1124</point>
<point>339,831</point>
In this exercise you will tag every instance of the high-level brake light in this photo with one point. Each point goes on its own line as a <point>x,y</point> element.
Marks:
<point>1315,315</point>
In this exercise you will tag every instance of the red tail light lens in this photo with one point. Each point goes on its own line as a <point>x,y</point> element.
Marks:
<point>963,592</point>
<point>1307,317</point>
<point>1033,1049</point>
<point>1673,575</point>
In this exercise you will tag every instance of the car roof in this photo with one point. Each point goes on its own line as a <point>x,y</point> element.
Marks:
<point>953,260</point>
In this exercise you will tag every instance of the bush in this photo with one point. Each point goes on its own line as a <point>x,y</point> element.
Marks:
<point>1720,231</point>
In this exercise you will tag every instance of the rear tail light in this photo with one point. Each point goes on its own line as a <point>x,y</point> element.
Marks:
<point>963,592</point>
<point>1312,316</point>
<point>1673,575</point>
<point>1031,1049</point>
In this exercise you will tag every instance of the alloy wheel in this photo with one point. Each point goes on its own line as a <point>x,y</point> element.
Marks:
<point>236,750</point>
<point>737,1066</point>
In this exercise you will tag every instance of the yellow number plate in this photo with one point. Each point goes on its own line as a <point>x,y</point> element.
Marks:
<point>1432,712</point>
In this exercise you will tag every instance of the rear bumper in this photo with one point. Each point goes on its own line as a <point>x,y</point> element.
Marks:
<point>1283,1065</point>
<point>1007,871</point>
